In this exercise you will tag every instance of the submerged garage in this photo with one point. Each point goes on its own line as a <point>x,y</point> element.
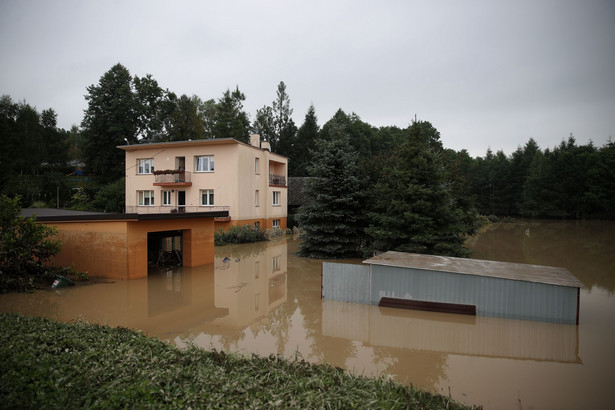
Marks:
<point>120,246</point>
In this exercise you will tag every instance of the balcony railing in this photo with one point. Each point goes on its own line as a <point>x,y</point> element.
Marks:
<point>173,209</point>
<point>279,180</point>
<point>172,177</point>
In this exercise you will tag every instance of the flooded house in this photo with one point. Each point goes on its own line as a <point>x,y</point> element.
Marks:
<point>178,194</point>
<point>457,285</point>
<point>247,180</point>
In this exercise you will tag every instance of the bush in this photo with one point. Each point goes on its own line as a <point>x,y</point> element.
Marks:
<point>44,364</point>
<point>493,218</point>
<point>24,247</point>
<point>110,197</point>
<point>239,234</point>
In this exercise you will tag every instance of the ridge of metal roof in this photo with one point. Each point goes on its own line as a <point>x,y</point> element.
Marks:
<point>479,267</point>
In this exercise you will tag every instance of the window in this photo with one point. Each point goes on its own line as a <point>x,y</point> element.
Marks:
<point>257,225</point>
<point>166,198</point>
<point>276,224</point>
<point>275,263</point>
<point>145,198</point>
<point>256,198</point>
<point>257,270</point>
<point>257,168</point>
<point>145,166</point>
<point>204,163</point>
<point>276,198</point>
<point>207,197</point>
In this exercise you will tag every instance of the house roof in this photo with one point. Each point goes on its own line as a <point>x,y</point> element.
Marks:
<point>189,143</point>
<point>503,270</point>
<point>67,215</point>
<point>192,143</point>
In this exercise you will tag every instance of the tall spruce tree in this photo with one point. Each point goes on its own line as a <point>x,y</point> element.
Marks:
<point>111,119</point>
<point>304,145</point>
<point>413,208</point>
<point>231,120</point>
<point>284,129</point>
<point>332,219</point>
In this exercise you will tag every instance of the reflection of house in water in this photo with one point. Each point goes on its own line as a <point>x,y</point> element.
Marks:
<point>250,285</point>
<point>183,295</point>
<point>448,333</point>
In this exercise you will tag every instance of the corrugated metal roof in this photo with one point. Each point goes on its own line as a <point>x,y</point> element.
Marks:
<point>505,270</point>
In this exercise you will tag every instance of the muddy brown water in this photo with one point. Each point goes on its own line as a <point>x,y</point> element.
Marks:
<point>262,298</point>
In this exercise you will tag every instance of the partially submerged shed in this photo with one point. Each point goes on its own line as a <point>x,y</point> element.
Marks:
<point>489,288</point>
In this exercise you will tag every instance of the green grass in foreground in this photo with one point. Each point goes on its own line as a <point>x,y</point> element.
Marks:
<point>44,364</point>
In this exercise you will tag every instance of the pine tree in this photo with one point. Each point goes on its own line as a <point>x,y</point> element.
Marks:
<point>413,208</point>
<point>332,219</point>
<point>304,145</point>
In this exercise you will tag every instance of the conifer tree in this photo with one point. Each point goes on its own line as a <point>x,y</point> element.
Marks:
<point>412,207</point>
<point>306,138</point>
<point>332,218</point>
<point>231,120</point>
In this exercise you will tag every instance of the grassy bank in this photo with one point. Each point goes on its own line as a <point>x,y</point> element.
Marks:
<point>44,364</point>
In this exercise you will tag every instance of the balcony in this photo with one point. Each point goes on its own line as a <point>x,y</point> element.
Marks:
<point>174,209</point>
<point>277,180</point>
<point>172,178</point>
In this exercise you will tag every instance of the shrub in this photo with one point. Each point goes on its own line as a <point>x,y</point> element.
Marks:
<point>25,246</point>
<point>493,218</point>
<point>239,234</point>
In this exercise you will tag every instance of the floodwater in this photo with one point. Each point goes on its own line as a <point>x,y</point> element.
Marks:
<point>262,298</point>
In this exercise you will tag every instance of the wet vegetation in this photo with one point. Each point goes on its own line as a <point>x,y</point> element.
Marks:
<point>44,364</point>
<point>240,234</point>
<point>25,246</point>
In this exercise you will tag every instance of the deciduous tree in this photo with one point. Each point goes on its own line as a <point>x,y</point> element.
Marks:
<point>25,246</point>
<point>110,120</point>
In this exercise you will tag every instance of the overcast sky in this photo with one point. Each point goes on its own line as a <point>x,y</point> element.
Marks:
<point>484,73</point>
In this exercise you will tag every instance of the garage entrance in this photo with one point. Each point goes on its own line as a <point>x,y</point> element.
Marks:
<point>165,249</point>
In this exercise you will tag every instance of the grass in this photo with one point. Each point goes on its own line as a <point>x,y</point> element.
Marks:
<point>44,364</point>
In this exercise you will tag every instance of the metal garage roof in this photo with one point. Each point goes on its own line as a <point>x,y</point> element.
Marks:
<point>504,270</point>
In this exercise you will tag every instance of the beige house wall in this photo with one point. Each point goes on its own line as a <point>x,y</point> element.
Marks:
<point>239,171</point>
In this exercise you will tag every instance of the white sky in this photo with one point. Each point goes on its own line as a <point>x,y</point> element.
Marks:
<point>484,73</point>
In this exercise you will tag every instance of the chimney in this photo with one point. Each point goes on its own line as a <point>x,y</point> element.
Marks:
<point>255,140</point>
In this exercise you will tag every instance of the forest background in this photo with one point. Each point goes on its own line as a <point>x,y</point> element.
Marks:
<point>81,168</point>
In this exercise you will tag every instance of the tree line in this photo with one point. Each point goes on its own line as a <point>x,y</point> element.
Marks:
<point>566,181</point>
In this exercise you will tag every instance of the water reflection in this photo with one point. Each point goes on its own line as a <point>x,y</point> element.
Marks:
<point>448,333</point>
<point>262,298</point>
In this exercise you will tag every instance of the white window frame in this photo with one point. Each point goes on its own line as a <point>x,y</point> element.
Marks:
<point>166,198</point>
<point>276,198</point>
<point>257,166</point>
<point>145,166</point>
<point>257,198</point>
<point>275,224</point>
<point>209,195</point>
<point>204,163</point>
<point>145,198</point>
